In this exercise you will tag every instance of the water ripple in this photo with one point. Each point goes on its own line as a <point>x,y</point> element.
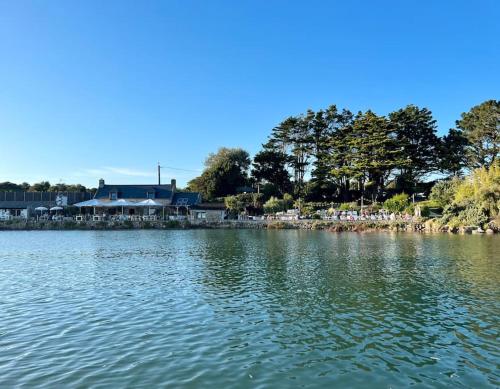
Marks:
<point>141,309</point>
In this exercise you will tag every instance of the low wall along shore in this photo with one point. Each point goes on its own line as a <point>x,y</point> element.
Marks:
<point>333,226</point>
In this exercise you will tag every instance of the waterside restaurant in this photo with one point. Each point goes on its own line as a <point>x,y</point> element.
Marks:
<point>111,202</point>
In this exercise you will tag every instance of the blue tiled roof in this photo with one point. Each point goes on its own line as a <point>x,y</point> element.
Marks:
<point>186,198</point>
<point>135,191</point>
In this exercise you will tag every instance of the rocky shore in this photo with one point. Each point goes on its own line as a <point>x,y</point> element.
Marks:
<point>333,226</point>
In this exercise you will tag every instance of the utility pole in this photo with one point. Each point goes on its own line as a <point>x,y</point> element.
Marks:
<point>159,174</point>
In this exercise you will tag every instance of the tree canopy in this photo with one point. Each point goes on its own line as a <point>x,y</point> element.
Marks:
<point>481,127</point>
<point>224,172</point>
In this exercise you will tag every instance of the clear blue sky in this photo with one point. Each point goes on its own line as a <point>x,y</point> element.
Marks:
<point>92,89</point>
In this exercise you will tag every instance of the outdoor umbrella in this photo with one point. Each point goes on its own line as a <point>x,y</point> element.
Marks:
<point>148,203</point>
<point>41,209</point>
<point>57,208</point>
<point>120,203</point>
<point>89,203</point>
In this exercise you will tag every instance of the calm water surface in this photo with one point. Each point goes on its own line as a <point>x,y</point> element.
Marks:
<point>248,309</point>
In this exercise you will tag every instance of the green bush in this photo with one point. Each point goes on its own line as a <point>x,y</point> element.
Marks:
<point>397,203</point>
<point>273,205</point>
<point>464,214</point>
<point>316,216</point>
<point>348,206</point>
<point>425,211</point>
<point>473,215</point>
<point>443,192</point>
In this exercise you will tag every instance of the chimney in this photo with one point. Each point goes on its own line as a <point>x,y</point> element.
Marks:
<point>173,184</point>
<point>101,183</point>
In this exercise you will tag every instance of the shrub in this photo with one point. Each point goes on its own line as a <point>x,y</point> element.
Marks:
<point>348,206</point>
<point>316,216</point>
<point>443,192</point>
<point>397,203</point>
<point>473,215</point>
<point>425,211</point>
<point>465,214</point>
<point>273,205</point>
<point>287,201</point>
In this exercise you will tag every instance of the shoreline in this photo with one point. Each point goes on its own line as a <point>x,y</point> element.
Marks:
<point>320,225</point>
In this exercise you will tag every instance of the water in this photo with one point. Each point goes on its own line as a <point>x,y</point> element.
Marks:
<point>201,308</point>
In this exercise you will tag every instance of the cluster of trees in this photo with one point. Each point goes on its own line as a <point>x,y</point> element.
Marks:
<point>225,172</point>
<point>43,186</point>
<point>470,201</point>
<point>336,155</point>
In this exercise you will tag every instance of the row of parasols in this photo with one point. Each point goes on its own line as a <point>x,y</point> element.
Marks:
<point>94,203</point>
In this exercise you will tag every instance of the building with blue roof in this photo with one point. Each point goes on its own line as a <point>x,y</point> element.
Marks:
<point>165,195</point>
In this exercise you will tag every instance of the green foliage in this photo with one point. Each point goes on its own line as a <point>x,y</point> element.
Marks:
<point>273,205</point>
<point>415,131</point>
<point>269,166</point>
<point>466,214</point>
<point>234,204</point>
<point>307,209</point>
<point>371,152</point>
<point>443,192</point>
<point>397,203</point>
<point>42,186</point>
<point>224,172</point>
<point>481,127</point>
<point>348,206</point>
<point>61,187</point>
<point>287,201</point>
<point>243,202</point>
<point>452,152</point>
<point>476,199</point>
<point>425,210</point>
<point>11,187</point>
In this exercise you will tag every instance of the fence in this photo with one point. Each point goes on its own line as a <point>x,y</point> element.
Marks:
<point>19,196</point>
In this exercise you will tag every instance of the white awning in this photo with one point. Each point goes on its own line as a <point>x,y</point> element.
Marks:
<point>148,203</point>
<point>89,203</point>
<point>56,208</point>
<point>120,203</point>
<point>41,209</point>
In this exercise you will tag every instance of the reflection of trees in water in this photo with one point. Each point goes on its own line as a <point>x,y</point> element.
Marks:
<point>318,288</point>
<point>224,256</point>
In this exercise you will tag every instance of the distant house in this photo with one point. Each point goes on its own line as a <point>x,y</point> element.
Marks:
<point>166,195</point>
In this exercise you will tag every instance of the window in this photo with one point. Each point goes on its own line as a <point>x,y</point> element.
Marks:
<point>201,215</point>
<point>182,201</point>
<point>150,195</point>
<point>113,195</point>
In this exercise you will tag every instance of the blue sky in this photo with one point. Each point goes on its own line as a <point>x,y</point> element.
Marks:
<point>92,89</point>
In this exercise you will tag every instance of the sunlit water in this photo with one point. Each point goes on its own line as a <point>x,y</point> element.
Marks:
<point>247,308</point>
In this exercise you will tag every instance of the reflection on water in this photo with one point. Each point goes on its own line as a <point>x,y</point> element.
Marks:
<point>248,309</point>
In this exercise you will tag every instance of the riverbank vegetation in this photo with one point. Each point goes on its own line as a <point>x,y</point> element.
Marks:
<point>334,157</point>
